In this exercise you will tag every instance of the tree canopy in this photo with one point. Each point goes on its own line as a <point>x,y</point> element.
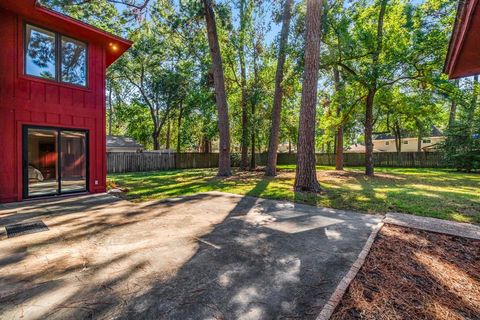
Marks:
<point>380,73</point>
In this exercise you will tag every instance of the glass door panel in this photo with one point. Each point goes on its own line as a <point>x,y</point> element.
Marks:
<point>42,167</point>
<point>73,161</point>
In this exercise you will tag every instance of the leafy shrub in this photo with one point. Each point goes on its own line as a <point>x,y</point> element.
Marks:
<point>462,147</point>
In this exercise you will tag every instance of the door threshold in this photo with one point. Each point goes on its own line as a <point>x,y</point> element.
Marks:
<point>56,196</point>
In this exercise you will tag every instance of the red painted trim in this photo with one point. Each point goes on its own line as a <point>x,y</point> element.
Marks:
<point>81,24</point>
<point>30,10</point>
<point>461,33</point>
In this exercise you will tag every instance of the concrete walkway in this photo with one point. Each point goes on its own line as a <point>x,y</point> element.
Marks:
<point>207,256</point>
<point>452,228</point>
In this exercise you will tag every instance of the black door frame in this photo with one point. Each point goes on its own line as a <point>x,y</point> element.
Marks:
<point>59,160</point>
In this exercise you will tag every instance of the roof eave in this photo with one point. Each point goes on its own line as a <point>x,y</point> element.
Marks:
<point>460,34</point>
<point>455,30</point>
<point>81,24</point>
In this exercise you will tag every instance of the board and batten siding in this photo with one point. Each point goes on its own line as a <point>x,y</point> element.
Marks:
<point>25,100</point>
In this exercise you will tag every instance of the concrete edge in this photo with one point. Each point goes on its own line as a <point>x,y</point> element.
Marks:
<point>342,287</point>
<point>326,210</point>
<point>452,228</point>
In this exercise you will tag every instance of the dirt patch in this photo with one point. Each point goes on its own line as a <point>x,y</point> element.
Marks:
<point>413,274</point>
<point>356,174</point>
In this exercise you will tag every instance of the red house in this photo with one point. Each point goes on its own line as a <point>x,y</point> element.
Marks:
<point>52,102</point>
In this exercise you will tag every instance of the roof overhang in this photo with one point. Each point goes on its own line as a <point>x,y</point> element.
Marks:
<point>34,12</point>
<point>463,57</point>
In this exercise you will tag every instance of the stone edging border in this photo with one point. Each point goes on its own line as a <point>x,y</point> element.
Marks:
<point>342,287</point>
<point>403,220</point>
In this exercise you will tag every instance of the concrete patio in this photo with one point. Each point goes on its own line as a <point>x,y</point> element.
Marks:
<point>207,256</point>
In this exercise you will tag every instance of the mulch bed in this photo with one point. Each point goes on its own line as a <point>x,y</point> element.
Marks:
<point>413,274</point>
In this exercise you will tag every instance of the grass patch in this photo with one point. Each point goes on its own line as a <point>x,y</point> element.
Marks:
<point>426,192</point>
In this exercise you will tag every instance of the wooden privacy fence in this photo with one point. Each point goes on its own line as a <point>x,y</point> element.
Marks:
<point>152,161</point>
<point>381,159</point>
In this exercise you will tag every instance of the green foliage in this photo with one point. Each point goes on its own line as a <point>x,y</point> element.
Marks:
<point>165,80</point>
<point>462,147</point>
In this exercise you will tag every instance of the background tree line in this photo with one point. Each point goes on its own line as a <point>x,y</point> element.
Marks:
<point>240,76</point>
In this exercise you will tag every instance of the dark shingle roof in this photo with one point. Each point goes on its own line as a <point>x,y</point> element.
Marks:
<point>123,142</point>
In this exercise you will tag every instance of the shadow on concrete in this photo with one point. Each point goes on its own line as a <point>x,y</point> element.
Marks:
<point>251,258</point>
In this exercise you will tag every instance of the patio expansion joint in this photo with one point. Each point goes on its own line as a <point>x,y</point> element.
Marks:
<point>342,287</point>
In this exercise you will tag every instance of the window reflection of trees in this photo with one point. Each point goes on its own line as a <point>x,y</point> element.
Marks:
<point>73,61</point>
<point>41,53</point>
<point>42,57</point>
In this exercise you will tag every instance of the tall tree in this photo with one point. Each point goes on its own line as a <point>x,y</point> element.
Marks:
<point>245,17</point>
<point>254,100</point>
<point>372,90</point>
<point>339,133</point>
<point>271,168</point>
<point>306,175</point>
<point>220,95</point>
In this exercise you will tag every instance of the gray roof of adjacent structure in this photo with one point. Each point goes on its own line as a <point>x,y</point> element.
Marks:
<point>122,142</point>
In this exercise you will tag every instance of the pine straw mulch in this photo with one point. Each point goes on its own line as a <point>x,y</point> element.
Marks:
<point>413,274</point>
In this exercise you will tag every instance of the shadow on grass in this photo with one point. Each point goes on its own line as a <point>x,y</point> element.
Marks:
<point>427,192</point>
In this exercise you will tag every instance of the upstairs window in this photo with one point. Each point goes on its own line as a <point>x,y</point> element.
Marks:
<point>40,57</point>
<point>74,61</point>
<point>427,141</point>
<point>56,57</point>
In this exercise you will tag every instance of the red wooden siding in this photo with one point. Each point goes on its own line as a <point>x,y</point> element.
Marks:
<point>28,101</point>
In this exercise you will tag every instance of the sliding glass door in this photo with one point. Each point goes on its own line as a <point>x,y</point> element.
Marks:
<point>73,146</point>
<point>55,161</point>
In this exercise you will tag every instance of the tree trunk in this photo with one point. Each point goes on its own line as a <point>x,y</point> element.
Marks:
<point>167,144</point>
<point>244,143</point>
<point>205,145</point>
<point>453,113</point>
<point>419,142</point>
<point>306,175</point>
<point>473,106</point>
<point>372,90</point>
<point>156,142</point>
<point>253,163</point>
<point>220,95</point>
<point>339,134</point>
<point>271,169</point>
<point>398,138</point>
<point>339,151</point>
<point>179,126</point>
<point>369,171</point>
<point>243,85</point>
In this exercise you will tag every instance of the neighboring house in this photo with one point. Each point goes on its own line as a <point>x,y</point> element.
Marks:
<point>52,102</point>
<point>123,144</point>
<point>386,142</point>
<point>358,148</point>
<point>286,147</point>
<point>408,144</point>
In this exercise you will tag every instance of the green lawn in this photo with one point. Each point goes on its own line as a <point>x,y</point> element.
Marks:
<point>426,192</point>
